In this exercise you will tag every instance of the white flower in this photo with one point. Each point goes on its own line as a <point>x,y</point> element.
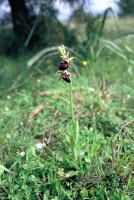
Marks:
<point>38,81</point>
<point>128,96</point>
<point>8,97</point>
<point>40,145</point>
<point>6,109</point>
<point>22,153</point>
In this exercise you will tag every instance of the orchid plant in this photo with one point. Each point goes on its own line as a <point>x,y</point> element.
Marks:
<point>65,65</point>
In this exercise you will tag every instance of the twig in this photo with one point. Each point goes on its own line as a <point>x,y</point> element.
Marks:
<point>127,124</point>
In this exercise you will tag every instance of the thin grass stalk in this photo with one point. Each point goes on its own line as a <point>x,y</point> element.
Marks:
<point>31,32</point>
<point>104,20</point>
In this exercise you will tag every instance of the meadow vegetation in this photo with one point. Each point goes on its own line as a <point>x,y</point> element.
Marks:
<point>36,162</point>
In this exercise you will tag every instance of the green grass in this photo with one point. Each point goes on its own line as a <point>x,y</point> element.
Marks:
<point>126,26</point>
<point>103,99</point>
<point>35,110</point>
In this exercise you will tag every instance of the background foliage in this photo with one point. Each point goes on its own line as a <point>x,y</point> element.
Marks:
<point>126,7</point>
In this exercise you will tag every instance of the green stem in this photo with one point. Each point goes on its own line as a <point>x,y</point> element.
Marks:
<point>71,104</point>
<point>73,142</point>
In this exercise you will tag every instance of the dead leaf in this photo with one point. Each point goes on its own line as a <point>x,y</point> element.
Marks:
<point>35,112</point>
<point>48,93</point>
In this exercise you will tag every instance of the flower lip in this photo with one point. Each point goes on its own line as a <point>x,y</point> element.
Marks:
<point>64,65</point>
<point>66,77</point>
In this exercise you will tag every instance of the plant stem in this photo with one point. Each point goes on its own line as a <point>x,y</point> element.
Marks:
<point>71,104</point>
<point>73,137</point>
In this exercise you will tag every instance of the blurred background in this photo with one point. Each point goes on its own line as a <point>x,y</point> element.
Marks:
<point>90,28</point>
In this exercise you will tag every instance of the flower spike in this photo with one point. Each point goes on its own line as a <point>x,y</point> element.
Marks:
<point>65,64</point>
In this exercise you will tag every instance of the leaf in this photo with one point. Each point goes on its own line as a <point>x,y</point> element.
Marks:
<point>40,54</point>
<point>60,155</point>
<point>71,173</point>
<point>2,169</point>
<point>114,48</point>
<point>128,49</point>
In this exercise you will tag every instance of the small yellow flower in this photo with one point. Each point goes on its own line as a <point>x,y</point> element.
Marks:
<point>84,62</point>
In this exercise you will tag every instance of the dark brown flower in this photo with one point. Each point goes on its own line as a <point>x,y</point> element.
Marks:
<point>66,77</point>
<point>64,65</point>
